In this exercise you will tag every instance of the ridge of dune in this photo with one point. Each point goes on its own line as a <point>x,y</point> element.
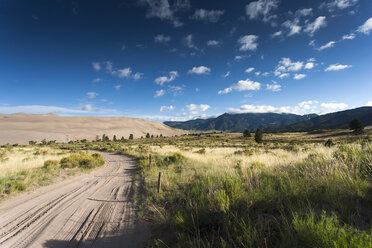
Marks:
<point>20,128</point>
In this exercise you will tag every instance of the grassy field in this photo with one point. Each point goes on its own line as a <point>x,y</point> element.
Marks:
<point>28,167</point>
<point>224,190</point>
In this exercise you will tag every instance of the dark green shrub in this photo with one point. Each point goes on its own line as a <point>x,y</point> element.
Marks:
<point>329,143</point>
<point>356,125</point>
<point>246,133</point>
<point>258,136</point>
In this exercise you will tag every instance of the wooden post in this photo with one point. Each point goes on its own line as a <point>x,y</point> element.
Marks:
<point>159,181</point>
<point>150,160</point>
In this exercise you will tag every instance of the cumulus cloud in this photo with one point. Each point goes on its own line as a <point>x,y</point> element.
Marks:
<point>96,66</point>
<point>159,93</point>
<point>305,107</point>
<point>200,70</point>
<point>213,43</point>
<point>226,74</point>
<point>121,73</point>
<point>366,27</point>
<point>328,45</point>
<point>293,26</point>
<point>337,67</point>
<point>161,38</point>
<point>309,65</point>
<point>241,85</point>
<point>166,108</point>
<point>261,9</point>
<point>249,70</point>
<point>275,87</point>
<point>207,15</point>
<point>286,65</point>
<point>196,109</point>
<point>92,95</point>
<point>303,12</point>
<point>163,10</point>
<point>189,42</point>
<point>312,27</point>
<point>299,76</point>
<point>248,42</point>
<point>164,79</point>
<point>350,36</point>
<point>339,4</point>
<point>369,103</point>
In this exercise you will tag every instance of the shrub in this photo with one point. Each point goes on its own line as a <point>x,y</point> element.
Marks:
<point>258,136</point>
<point>50,164</point>
<point>246,133</point>
<point>329,143</point>
<point>356,125</point>
<point>82,160</point>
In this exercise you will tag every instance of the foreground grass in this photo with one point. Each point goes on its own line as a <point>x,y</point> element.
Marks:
<point>15,182</point>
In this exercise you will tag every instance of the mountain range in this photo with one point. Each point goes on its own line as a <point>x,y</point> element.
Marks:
<point>275,122</point>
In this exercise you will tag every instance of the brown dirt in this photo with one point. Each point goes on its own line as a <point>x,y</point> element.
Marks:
<point>21,128</point>
<point>89,210</point>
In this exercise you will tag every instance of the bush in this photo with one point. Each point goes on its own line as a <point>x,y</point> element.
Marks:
<point>50,164</point>
<point>258,136</point>
<point>356,125</point>
<point>329,143</point>
<point>82,160</point>
<point>246,133</point>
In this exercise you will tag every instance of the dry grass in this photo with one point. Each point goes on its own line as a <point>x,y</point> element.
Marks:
<point>23,159</point>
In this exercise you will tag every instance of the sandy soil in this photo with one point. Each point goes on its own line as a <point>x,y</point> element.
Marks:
<point>89,210</point>
<point>21,128</point>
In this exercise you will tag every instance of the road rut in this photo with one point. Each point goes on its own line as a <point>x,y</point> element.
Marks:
<point>90,210</point>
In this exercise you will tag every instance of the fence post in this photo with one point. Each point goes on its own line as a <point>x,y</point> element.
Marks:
<point>159,181</point>
<point>150,160</point>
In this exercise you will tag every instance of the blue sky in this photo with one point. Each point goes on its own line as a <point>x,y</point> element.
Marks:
<point>181,59</point>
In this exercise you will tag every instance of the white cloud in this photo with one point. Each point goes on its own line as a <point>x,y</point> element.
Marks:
<point>195,108</point>
<point>303,12</point>
<point>257,73</point>
<point>189,42</point>
<point>273,87</point>
<point>340,4</point>
<point>241,85</point>
<point>166,108</point>
<point>92,95</point>
<point>239,57</point>
<point>366,27</point>
<point>200,70</point>
<point>328,45</point>
<point>213,43</point>
<point>96,66</point>
<point>309,65</point>
<point>250,69</point>
<point>350,36</point>
<point>261,8</point>
<point>312,27</point>
<point>248,42</point>
<point>299,76</point>
<point>176,90</point>
<point>97,80</point>
<point>159,93</point>
<point>276,34</point>
<point>137,75</point>
<point>160,38</point>
<point>305,107</point>
<point>163,10</point>
<point>117,87</point>
<point>123,73</point>
<point>108,66</point>
<point>293,26</point>
<point>369,103</point>
<point>226,74</point>
<point>163,79</point>
<point>286,65</point>
<point>337,67</point>
<point>207,15</point>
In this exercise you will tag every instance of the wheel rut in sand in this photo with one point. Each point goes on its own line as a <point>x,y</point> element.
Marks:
<point>92,210</point>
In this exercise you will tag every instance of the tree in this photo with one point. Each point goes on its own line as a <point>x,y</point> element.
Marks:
<point>258,136</point>
<point>131,136</point>
<point>147,135</point>
<point>246,133</point>
<point>114,138</point>
<point>356,125</point>
<point>97,138</point>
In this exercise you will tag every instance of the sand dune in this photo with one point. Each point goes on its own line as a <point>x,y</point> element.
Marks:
<point>21,128</point>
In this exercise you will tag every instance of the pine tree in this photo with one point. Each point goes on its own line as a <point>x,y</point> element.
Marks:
<point>130,136</point>
<point>147,135</point>
<point>246,133</point>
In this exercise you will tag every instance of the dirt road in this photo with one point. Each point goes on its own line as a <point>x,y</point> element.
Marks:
<point>90,210</point>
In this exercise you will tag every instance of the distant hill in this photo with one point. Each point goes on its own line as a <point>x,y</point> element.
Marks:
<point>21,128</point>
<point>239,122</point>
<point>274,122</point>
<point>334,120</point>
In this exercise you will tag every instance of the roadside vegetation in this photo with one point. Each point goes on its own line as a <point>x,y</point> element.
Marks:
<point>25,167</point>
<point>261,190</point>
